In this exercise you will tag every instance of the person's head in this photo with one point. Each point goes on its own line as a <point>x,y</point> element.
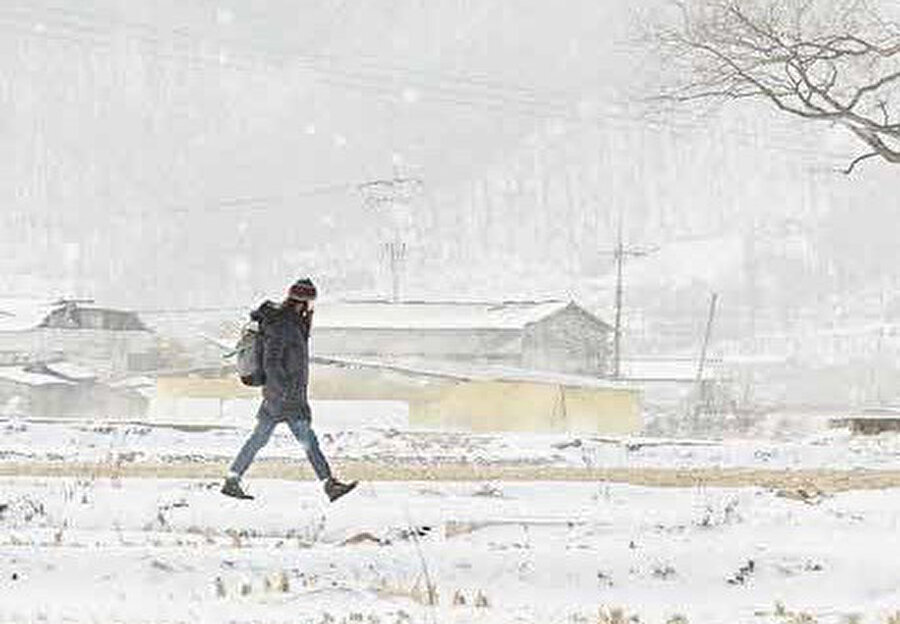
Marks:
<point>301,295</point>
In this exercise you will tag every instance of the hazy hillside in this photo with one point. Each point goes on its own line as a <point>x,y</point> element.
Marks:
<point>205,155</point>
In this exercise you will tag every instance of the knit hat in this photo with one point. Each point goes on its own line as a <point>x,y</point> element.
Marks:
<point>302,290</point>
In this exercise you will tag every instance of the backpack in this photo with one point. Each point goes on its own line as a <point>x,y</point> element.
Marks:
<point>249,351</point>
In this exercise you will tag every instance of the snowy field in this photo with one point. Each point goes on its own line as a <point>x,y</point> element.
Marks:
<point>79,544</point>
<point>92,441</point>
<point>143,550</point>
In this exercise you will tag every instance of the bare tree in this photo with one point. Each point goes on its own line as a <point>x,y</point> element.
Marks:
<point>833,61</point>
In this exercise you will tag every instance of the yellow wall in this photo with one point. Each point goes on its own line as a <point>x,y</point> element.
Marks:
<point>326,383</point>
<point>529,406</point>
<point>605,410</point>
<point>229,387</point>
<point>440,402</point>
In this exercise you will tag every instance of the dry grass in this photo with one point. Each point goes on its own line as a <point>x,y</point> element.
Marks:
<point>615,615</point>
<point>279,582</point>
<point>421,593</point>
<point>820,481</point>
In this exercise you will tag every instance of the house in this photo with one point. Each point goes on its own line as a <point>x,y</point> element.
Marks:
<point>60,389</point>
<point>515,366</point>
<point>113,341</point>
<point>544,335</point>
<point>871,421</point>
<point>451,396</point>
<point>486,398</point>
<point>72,315</point>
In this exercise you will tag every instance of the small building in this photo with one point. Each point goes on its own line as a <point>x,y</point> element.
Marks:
<point>63,390</point>
<point>870,421</point>
<point>437,396</point>
<point>72,315</point>
<point>554,336</point>
<point>514,366</point>
<point>113,341</point>
<point>486,398</point>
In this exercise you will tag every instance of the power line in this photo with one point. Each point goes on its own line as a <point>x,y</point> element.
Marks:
<point>324,63</point>
<point>369,61</point>
<point>344,80</point>
<point>241,203</point>
<point>262,202</point>
<point>490,98</point>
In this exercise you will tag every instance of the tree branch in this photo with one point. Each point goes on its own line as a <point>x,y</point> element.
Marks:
<point>871,87</point>
<point>877,144</point>
<point>837,67</point>
<point>848,170</point>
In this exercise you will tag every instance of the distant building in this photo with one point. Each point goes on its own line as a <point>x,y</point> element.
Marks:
<point>554,336</point>
<point>472,398</point>
<point>112,341</point>
<point>450,396</point>
<point>870,421</point>
<point>71,315</point>
<point>63,390</point>
<point>522,366</point>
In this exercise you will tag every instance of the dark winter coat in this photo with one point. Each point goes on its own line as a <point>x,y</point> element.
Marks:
<point>285,360</point>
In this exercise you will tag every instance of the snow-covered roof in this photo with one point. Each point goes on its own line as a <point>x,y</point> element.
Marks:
<point>138,381</point>
<point>671,369</point>
<point>71,371</point>
<point>19,375</point>
<point>222,326</point>
<point>433,315</point>
<point>17,314</point>
<point>472,372</point>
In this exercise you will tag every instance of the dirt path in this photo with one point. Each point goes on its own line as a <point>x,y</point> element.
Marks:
<point>806,479</point>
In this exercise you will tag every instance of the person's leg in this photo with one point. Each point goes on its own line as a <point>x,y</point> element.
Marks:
<point>258,439</point>
<point>302,430</point>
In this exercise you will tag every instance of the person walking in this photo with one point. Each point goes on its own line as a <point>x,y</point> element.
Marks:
<point>285,332</point>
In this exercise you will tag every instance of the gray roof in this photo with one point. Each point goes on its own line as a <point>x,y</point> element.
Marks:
<point>474,372</point>
<point>19,375</point>
<point>436,315</point>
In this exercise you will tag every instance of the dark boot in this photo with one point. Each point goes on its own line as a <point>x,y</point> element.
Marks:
<point>335,489</point>
<point>233,488</point>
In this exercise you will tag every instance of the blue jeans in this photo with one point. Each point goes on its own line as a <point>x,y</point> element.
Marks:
<point>301,429</point>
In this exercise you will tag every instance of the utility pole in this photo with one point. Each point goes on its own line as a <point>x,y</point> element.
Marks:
<point>396,252</point>
<point>705,397</point>
<point>395,195</point>
<point>620,254</point>
<point>709,323</point>
<point>617,347</point>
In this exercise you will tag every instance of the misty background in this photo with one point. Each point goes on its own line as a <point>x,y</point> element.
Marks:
<point>172,155</point>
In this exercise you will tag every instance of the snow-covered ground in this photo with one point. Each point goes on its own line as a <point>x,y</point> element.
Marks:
<point>84,548</point>
<point>30,440</point>
<point>177,551</point>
